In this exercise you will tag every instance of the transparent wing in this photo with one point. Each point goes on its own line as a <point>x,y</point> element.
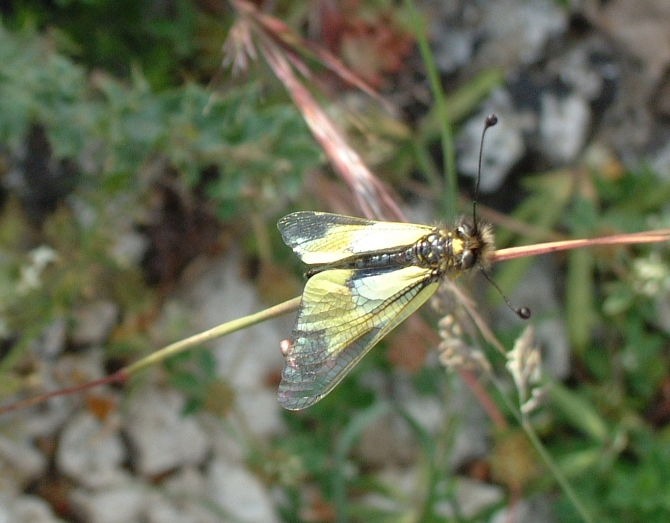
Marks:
<point>321,238</point>
<point>343,314</point>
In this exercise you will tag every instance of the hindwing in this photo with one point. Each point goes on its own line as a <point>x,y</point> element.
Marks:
<point>343,314</point>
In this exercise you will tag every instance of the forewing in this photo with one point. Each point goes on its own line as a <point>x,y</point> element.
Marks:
<point>321,238</point>
<point>343,314</point>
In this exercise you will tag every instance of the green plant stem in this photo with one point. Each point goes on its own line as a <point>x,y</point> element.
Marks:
<point>216,332</point>
<point>348,438</point>
<point>546,457</point>
<point>122,375</point>
<point>557,473</point>
<point>443,116</point>
<point>426,164</point>
<point>429,447</point>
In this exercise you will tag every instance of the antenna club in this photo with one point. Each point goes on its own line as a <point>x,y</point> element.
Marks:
<point>523,313</point>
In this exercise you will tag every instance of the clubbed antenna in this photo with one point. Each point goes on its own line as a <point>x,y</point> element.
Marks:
<point>521,312</point>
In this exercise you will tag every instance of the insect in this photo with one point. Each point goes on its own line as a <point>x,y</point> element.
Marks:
<point>365,278</point>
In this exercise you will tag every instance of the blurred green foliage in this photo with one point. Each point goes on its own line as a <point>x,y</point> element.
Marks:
<point>604,433</point>
<point>260,150</point>
<point>246,152</point>
<point>163,38</point>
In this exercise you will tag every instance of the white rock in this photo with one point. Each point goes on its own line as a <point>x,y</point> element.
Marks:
<point>129,248</point>
<point>51,342</point>
<point>44,419</point>
<point>576,69</point>
<point>550,333</point>
<point>453,49</point>
<point>20,462</point>
<point>162,511</point>
<point>534,510</point>
<point>69,370</point>
<point>188,481</point>
<point>427,411</point>
<point>407,480</point>
<point>641,28</point>
<point>93,322</point>
<point>224,439</point>
<point>260,410</point>
<point>239,493</point>
<point>162,437</point>
<point>247,357</point>
<point>73,369</point>
<point>519,30</point>
<point>122,504</point>
<point>660,161</point>
<point>91,452</point>
<point>564,124</point>
<point>472,497</point>
<point>26,509</point>
<point>182,500</point>
<point>472,439</point>
<point>179,509</point>
<point>386,440</point>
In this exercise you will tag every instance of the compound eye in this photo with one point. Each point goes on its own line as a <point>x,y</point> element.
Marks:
<point>466,230</point>
<point>468,259</point>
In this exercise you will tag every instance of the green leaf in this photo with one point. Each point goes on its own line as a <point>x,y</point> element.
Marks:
<point>579,412</point>
<point>579,298</point>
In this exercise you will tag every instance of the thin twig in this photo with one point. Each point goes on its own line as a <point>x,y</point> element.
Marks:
<point>125,373</point>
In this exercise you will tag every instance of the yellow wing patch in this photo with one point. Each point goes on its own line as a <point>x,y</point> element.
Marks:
<point>322,238</point>
<point>343,314</point>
